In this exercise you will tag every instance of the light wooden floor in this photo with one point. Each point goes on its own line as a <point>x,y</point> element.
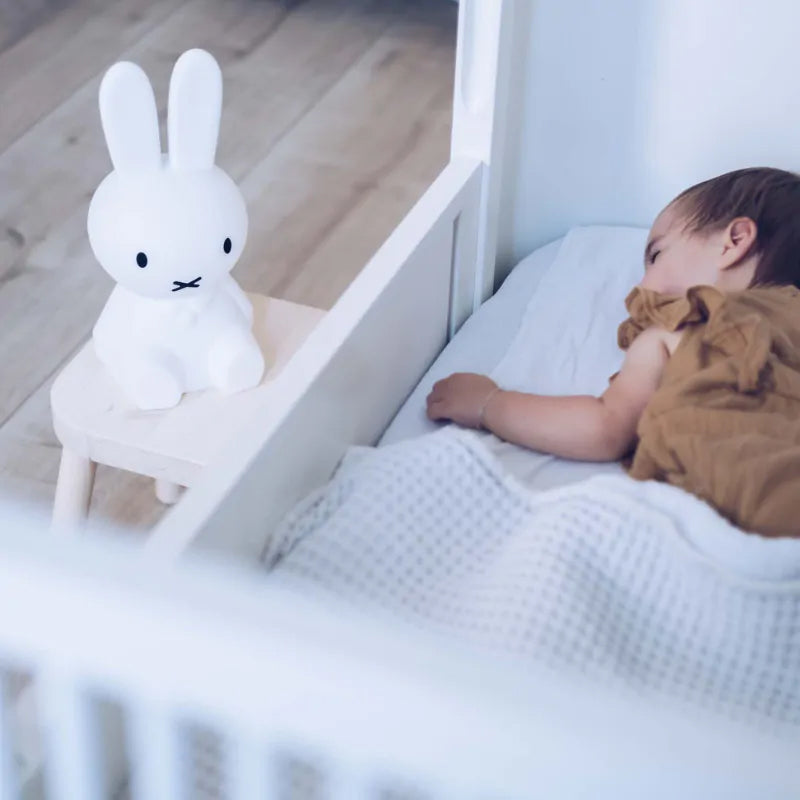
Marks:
<point>336,117</point>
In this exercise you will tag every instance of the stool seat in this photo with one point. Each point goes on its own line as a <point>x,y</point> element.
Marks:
<point>97,425</point>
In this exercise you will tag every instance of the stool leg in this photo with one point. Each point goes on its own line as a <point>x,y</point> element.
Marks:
<point>168,493</point>
<point>73,490</point>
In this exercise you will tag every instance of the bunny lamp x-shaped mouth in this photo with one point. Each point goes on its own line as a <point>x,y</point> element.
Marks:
<point>178,285</point>
<point>169,229</point>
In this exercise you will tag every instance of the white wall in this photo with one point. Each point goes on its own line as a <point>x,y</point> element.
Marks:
<point>617,105</point>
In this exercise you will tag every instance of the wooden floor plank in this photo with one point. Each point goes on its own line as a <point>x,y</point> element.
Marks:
<point>330,192</point>
<point>17,19</point>
<point>46,67</point>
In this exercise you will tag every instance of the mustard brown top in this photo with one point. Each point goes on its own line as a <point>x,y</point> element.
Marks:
<point>724,423</point>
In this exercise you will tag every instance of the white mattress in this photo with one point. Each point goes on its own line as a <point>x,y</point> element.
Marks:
<point>550,328</point>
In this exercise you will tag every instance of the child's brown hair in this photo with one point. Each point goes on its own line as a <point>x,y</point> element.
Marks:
<point>771,198</point>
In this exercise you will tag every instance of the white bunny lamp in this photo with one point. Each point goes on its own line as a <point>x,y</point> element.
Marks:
<point>169,229</point>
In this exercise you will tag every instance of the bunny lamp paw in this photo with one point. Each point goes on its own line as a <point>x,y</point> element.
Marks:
<point>236,364</point>
<point>155,390</point>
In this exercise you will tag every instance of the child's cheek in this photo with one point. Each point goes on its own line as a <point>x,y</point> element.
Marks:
<point>654,279</point>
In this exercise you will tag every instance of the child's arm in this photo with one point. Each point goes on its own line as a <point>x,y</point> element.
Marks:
<point>578,427</point>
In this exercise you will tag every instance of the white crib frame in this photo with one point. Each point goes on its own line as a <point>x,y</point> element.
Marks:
<point>364,699</point>
<point>174,639</point>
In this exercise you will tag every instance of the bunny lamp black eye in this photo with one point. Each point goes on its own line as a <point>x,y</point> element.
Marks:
<point>226,246</point>
<point>141,260</point>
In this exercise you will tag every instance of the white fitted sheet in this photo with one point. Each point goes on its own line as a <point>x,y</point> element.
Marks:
<point>480,344</point>
<point>550,329</point>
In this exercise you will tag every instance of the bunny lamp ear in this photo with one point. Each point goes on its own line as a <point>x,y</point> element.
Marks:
<point>195,105</point>
<point>129,117</point>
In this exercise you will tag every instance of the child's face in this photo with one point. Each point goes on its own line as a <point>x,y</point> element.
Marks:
<point>676,259</point>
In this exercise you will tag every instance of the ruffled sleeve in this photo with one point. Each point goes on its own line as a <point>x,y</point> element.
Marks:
<point>671,312</point>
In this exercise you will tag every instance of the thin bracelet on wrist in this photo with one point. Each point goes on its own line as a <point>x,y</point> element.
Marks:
<point>485,404</point>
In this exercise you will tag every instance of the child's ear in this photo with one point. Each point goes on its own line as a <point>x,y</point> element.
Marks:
<point>737,241</point>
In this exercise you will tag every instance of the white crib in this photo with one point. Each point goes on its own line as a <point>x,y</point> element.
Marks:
<point>296,699</point>
<point>565,112</point>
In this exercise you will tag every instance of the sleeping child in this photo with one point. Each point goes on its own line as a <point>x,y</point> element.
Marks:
<point>708,396</point>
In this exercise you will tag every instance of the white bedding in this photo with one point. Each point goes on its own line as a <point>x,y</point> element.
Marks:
<point>637,586</point>
<point>480,344</point>
<point>551,328</point>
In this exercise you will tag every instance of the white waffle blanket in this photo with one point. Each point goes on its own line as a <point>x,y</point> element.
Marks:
<point>635,584</point>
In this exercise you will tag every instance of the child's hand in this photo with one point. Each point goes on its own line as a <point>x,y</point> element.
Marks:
<point>461,398</point>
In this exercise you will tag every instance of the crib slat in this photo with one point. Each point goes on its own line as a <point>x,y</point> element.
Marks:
<point>156,766</point>
<point>9,787</point>
<point>73,767</point>
<point>249,776</point>
<point>349,783</point>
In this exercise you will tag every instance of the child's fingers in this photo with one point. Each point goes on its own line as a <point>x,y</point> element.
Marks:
<point>439,387</point>
<point>439,390</point>
<point>437,409</point>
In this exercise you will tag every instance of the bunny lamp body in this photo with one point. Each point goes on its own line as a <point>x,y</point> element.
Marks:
<point>169,229</point>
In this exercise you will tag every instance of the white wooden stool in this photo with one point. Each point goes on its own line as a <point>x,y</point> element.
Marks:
<point>96,425</point>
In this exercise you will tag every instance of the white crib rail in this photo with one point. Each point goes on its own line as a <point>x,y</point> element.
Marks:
<point>7,779</point>
<point>366,701</point>
<point>71,742</point>
<point>480,108</point>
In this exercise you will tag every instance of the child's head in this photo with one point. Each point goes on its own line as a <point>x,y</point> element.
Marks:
<point>735,231</point>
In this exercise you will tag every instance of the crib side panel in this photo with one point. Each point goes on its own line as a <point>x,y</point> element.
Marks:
<point>223,680</point>
<point>348,379</point>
